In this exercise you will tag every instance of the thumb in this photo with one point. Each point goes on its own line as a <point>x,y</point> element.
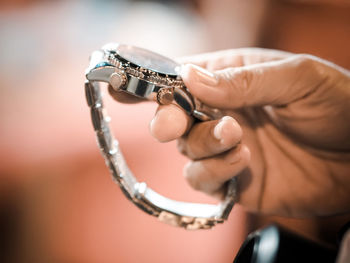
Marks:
<point>270,83</point>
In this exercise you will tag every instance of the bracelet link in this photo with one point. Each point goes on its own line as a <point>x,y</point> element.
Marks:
<point>93,97</point>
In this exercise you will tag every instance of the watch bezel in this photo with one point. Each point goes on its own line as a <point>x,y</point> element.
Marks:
<point>118,54</point>
<point>149,75</point>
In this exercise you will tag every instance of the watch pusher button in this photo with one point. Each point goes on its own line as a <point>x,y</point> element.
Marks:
<point>117,80</point>
<point>165,96</point>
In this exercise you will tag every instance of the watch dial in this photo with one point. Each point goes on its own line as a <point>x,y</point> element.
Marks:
<point>147,59</point>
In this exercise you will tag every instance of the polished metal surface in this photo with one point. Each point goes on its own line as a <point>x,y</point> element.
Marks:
<point>145,83</point>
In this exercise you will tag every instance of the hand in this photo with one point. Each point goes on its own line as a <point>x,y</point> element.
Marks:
<point>285,131</point>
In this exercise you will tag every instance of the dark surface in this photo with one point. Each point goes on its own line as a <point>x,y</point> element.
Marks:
<point>147,59</point>
<point>274,244</point>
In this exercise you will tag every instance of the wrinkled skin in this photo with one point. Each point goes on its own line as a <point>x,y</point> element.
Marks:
<point>286,134</point>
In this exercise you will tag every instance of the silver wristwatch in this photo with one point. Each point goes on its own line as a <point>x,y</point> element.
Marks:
<point>148,75</point>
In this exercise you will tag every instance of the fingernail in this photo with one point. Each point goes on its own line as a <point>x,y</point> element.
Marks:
<point>202,75</point>
<point>223,130</point>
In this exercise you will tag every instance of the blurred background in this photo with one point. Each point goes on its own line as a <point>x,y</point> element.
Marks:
<point>57,200</point>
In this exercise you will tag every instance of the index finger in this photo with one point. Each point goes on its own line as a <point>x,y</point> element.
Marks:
<point>233,58</point>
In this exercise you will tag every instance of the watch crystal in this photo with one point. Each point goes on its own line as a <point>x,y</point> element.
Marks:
<point>147,60</point>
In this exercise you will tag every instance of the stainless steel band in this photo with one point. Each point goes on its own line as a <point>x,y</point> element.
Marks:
<point>181,214</point>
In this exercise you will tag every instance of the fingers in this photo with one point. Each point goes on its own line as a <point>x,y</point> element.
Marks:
<point>210,138</point>
<point>169,123</point>
<point>217,153</point>
<point>271,83</point>
<point>234,58</point>
<point>209,175</point>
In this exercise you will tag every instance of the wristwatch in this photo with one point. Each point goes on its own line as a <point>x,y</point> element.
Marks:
<point>147,75</point>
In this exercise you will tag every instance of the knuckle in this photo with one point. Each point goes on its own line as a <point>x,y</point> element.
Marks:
<point>240,81</point>
<point>197,143</point>
<point>241,78</point>
<point>304,61</point>
<point>195,184</point>
<point>193,181</point>
<point>313,66</point>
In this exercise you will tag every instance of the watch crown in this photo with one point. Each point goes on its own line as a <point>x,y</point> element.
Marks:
<point>117,80</point>
<point>165,96</point>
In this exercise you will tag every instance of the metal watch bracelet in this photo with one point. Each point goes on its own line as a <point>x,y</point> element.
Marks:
<point>181,214</point>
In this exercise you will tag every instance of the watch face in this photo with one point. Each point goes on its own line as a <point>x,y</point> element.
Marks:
<point>147,59</point>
